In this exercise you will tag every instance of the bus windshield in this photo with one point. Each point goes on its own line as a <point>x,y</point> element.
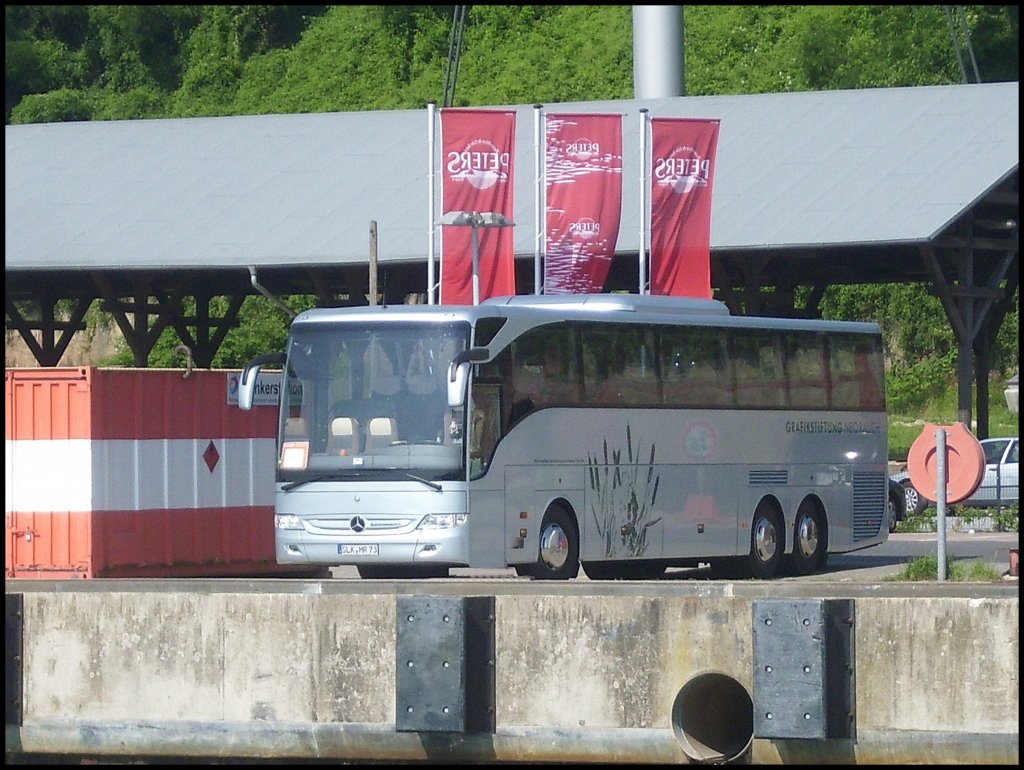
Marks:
<point>370,401</point>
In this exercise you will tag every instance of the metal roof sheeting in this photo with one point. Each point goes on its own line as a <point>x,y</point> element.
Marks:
<point>793,169</point>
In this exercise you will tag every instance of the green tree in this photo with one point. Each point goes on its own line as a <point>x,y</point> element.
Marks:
<point>546,53</point>
<point>262,327</point>
<point>129,62</point>
<point>40,50</point>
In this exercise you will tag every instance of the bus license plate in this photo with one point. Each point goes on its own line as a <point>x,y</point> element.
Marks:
<point>362,549</point>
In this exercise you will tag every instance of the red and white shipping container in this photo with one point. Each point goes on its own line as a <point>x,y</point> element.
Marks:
<point>136,473</point>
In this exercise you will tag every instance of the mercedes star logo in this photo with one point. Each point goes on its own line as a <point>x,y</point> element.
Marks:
<point>357,524</point>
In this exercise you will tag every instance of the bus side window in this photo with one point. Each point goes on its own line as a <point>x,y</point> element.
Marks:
<point>760,378</point>
<point>559,380</point>
<point>544,368</point>
<point>519,410</point>
<point>485,427</point>
<point>858,381</point>
<point>806,367</point>
<point>636,381</point>
<point>695,367</point>
<point>619,365</point>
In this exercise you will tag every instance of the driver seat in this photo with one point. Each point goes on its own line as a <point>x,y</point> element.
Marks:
<point>344,436</point>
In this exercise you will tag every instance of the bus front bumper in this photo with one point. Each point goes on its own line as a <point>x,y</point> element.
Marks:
<point>441,547</point>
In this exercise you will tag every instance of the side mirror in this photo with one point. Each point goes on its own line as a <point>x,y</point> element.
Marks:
<point>251,372</point>
<point>458,374</point>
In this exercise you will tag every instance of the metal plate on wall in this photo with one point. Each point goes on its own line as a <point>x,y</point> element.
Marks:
<point>803,668</point>
<point>444,667</point>
<point>14,626</point>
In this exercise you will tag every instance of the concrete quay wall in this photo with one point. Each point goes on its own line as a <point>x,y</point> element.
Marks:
<point>631,672</point>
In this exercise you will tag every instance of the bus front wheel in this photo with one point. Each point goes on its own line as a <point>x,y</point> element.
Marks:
<point>558,555</point>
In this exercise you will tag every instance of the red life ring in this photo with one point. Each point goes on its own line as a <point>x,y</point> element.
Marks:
<point>965,462</point>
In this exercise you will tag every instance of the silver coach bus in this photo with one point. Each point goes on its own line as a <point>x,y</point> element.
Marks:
<point>622,433</point>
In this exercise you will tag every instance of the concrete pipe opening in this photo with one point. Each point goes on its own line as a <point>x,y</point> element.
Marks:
<point>713,719</point>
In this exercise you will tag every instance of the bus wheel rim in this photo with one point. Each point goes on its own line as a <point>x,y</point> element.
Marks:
<point>807,536</point>
<point>765,540</point>
<point>554,547</point>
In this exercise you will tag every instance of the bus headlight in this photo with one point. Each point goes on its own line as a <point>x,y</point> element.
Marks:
<point>287,521</point>
<point>442,520</point>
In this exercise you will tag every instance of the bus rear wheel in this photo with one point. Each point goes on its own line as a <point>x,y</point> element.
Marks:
<point>558,555</point>
<point>809,541</point>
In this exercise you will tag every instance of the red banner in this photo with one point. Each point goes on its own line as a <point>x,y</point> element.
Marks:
<point>583,169</point>
<point>478,156</point>
<point>682,174</point>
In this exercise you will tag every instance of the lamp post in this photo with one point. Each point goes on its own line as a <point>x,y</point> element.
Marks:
<point>476,220</point>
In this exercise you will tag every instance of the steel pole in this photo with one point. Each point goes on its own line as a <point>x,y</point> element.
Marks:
<point>940,499</point>
<point>476,264</point>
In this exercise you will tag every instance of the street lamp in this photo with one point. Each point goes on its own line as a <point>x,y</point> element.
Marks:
<point>476,220</point>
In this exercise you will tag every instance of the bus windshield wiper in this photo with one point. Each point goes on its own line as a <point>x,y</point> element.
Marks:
<point>298,483</point>
<point>432,484</point>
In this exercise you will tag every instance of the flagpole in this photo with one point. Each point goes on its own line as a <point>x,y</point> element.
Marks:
<point>476,261</point>
<point>642,251</point>
<point>430,202</point>
<point>540,242</point>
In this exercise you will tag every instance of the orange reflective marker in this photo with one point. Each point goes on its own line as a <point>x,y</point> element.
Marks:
<point>965,462</point>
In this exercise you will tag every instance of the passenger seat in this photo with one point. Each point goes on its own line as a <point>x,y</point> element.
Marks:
<point>344,436</point>
<point>380,433</point>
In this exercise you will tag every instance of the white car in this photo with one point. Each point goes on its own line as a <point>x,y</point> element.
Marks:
<point>999,486</point>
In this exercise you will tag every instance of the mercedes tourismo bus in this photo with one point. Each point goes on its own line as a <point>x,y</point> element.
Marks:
<point>622,433</point>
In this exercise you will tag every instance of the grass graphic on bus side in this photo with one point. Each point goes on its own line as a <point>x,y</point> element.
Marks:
<point>623,492</point>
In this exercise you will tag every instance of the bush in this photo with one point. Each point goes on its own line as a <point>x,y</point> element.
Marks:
<point>62,106</point>
<point>1005,519</point>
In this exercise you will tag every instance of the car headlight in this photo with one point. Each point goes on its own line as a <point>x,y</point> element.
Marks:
<point>442,520</point>
<point>287,521</point>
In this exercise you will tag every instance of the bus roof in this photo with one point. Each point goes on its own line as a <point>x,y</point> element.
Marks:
<point>629,302</point>
<point>531,309</point>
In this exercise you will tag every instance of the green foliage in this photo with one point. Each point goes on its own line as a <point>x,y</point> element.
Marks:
<point>132,46</point>
<point>906,424</point>
<point>995,30</point>
<point>60,106</point>
<point>39,46</point>
<point>550,53</point>
<point>914,383</point>
<point>262,327</point>
<point>349,60</point>
<point>1003,519</point>
<point>136,104</point>
<point>921,349</point>
<point>201,58</point>
<point>927,568</point>
<point>760,49</point>
<point>96,62</point>
<point>213,64</point>
<point>262,77</point>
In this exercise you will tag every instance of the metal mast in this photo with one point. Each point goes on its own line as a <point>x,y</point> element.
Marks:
<point>454,52</point>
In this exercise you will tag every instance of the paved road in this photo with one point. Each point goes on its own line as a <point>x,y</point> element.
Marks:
<point>870,565</point>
